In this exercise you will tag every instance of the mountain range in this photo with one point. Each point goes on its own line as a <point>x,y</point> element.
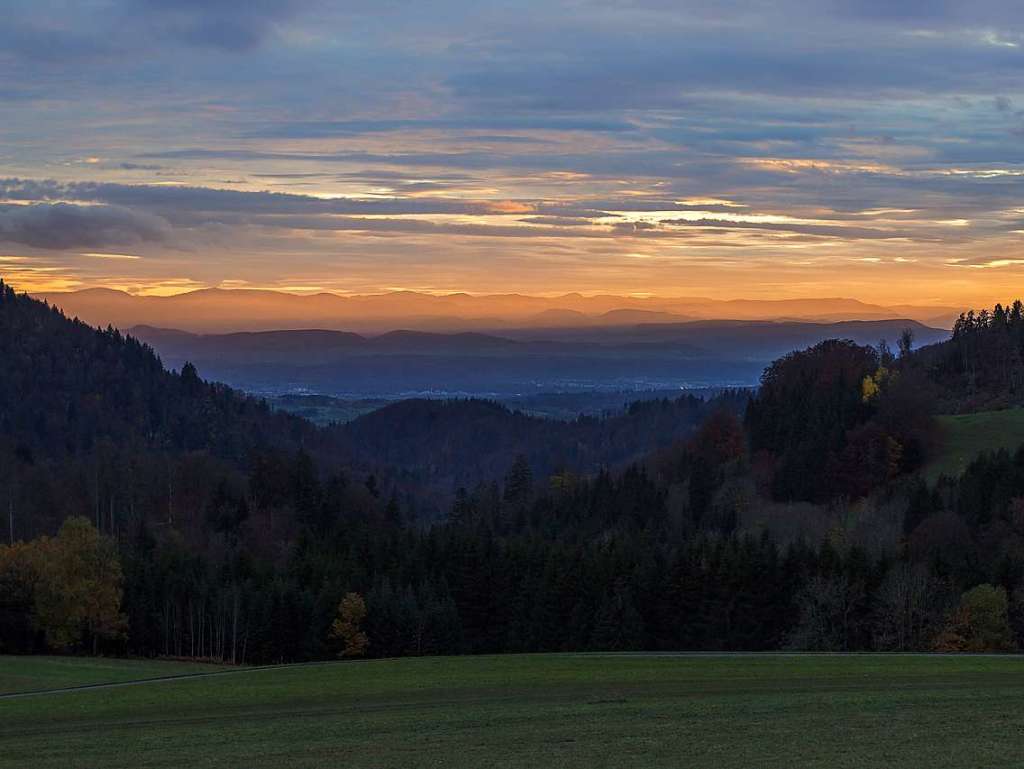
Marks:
<point>519,361</point>
<point>217,310</point>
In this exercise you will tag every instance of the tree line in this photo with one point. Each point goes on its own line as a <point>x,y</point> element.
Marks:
<point>246,536</point>
<point>603,564</point>
<point>982,366</point>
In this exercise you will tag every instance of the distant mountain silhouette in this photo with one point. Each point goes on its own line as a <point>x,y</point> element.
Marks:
<point>629,316</point>
<point>221,310</point>
<point>518,361</point>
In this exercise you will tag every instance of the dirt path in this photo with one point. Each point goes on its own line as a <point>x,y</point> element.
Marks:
<point>156,680</point>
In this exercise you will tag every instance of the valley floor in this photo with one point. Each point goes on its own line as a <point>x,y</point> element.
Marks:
<point>657,710</point>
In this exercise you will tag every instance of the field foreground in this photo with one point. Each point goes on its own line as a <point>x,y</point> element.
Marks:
<point>29,674</point>
<point>535,711</point>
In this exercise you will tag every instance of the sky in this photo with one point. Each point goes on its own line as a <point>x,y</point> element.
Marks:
<point>739,148</point>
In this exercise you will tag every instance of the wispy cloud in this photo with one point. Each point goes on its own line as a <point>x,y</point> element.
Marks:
<point>61,226</point>
<point>525,146</point>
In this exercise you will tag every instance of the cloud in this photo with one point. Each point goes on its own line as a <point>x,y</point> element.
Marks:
<point>63,226</point>
<point>897,10</point>
<point>823,230</point>
<point>869,121</point>
<point>102,34</point>
<point>229,25</point>
<point>39,42</point>
<point>342,128</point>
<point>557,221</point>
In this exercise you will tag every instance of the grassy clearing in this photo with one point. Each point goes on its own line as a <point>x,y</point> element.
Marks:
<point>964,436</point>
<point>26,674</point>
<point>543,710</point>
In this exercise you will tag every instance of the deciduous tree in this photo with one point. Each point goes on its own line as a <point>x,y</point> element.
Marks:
<point>980,623</point>
<point>347,627</point>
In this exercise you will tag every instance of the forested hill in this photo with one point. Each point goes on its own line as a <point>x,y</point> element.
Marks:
<point>982,366</point>
<point>92,424</point>
<point>68,387</point>
<point>445,445</point>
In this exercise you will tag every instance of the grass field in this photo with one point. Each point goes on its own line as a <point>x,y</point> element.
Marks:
<point>964,436</point>
<point>541,711</point>
<point>25,674</point>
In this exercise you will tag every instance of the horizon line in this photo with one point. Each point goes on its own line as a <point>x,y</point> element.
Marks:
<point>634,296</point>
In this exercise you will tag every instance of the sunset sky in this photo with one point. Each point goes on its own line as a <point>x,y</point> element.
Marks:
<point>870,149</point>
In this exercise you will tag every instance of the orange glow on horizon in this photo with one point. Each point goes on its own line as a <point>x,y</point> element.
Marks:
<point>47,282</point>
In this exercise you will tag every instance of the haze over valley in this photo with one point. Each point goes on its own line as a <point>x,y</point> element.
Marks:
<point>659,357</point>
<point>506,347</point>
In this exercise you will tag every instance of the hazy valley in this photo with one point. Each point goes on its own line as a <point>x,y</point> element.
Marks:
<point>555,350</point>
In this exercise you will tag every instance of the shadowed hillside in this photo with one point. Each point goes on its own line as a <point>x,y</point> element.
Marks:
<point>69,387</point>
<point>447,444</point>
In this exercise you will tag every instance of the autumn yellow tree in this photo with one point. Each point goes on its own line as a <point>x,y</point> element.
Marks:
<point>75,584</point>
<point>980,623</point>
<point>873,383</point>
<point>347,626</point>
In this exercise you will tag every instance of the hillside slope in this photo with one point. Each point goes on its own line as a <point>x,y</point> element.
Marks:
<point>92,424</point>
<point>446,444</point>
<point>981,367</point>
<point>962,437</point>
<point>69,386</point>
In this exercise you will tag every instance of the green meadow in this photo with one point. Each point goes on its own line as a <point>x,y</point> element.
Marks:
<point>527,711</point>
<point>26,674</point>
<point>964,436</point>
